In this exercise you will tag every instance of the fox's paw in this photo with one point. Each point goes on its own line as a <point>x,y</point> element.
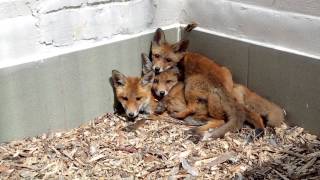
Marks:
<point>195,137</point>
<point>160,108</point>
<point>174,114</point>
<point>177,115</point>
<point>259,132</point>
<point>212,134</point>
<point>192,122</point>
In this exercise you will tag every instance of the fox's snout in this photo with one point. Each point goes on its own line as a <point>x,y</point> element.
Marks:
<point>161,93</point>
<point>157,69</point>
<point>132,114</point>
<point>132,111</point>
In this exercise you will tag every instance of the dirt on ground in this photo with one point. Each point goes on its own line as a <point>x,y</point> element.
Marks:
<point>105,149</point>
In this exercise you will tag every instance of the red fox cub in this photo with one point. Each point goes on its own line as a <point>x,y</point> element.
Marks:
<point>204,82</point>
<point>134,93</point>
<point>252,101</point>
<point>173,98</point>
<point>163,82</point>
<point>208,87</point>
<point>166,87</point>
<point>166,56</point>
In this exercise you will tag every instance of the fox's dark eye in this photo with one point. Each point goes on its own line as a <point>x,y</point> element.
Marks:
<point>168,59</point>
<point>156,55</point>
<point>138,98</point>
<point>125,98</point>
<point>156,81</point>
<point>169,81</point>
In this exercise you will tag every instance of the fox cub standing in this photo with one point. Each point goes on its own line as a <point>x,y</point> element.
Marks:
<point>206,82</point>
<point>134,93</point>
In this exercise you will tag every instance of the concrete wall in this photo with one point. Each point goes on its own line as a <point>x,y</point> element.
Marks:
<point>307,7</point>
<point>55,54</point>
<point>37,29</point>
<point>287,79</point>
<point>64,91</point>
<point>292,25</point>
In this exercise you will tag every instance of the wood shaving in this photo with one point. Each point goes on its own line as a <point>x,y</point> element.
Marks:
<point>102,148</point>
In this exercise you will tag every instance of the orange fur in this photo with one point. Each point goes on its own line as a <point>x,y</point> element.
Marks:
<point>209,90</point>
<point>134,93</point>
<point>208,86</point>
<point>252,101</point>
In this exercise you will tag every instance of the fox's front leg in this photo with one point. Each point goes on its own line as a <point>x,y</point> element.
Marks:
<point>213,123</point>
<point>198,132</point>
<point>184,114</point>
<point>136,125</point>
<point>160,108</point>
<point>254,118</point>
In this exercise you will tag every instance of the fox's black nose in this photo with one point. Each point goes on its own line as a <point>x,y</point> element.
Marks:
<point>162,93</point>
<point>157,69</point>
<point>131,115</point>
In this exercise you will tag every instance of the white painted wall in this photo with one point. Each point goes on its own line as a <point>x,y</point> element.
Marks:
<point>308,7</point>
<point>31,29</point>
<point>293,25</point>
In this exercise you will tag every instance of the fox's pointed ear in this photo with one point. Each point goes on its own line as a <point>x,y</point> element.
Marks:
<point>159,37</point>
<point>181,46</point>
<point>146,64</point>
<point>118,79</point>
<point>147,78</point>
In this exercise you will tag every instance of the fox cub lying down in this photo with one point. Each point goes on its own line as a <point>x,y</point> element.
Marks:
<point>134,93</point>
<point>190,85</point>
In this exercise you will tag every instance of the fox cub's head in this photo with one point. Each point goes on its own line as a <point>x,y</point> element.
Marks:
<point>165,55</point>
<point>163,82</point>
<point>133,93</point>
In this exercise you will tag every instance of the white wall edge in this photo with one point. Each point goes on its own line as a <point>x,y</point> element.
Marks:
<point>268,45</point>
<point>291,31</point>
<point>82,45</point>
<point>87,44</point>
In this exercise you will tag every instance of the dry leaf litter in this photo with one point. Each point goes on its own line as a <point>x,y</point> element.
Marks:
<point>102,149</point>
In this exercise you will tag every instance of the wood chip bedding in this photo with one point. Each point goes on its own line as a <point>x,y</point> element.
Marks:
<point>102,149</point>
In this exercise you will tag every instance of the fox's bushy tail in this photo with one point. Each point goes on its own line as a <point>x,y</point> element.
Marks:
<point>235,113</point>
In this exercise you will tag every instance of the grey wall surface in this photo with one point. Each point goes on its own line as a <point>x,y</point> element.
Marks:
<point>289,80</point>
<point>227,52</point>
<point>64,91</point>
<point>288,24</point>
